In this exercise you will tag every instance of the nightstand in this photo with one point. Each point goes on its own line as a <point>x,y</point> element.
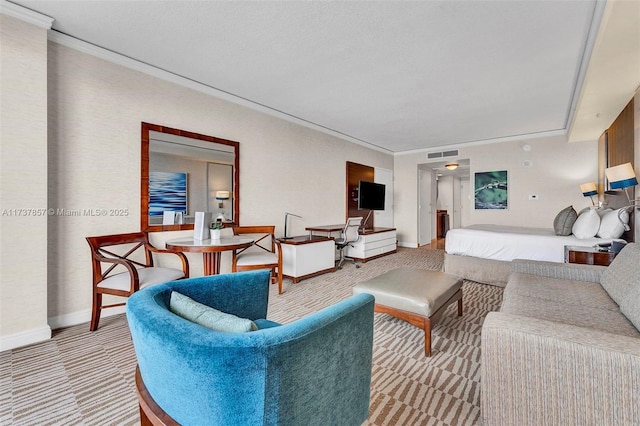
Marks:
<point>588,255</point>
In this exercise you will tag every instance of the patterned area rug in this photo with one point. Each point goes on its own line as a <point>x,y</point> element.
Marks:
<point>83,378</point>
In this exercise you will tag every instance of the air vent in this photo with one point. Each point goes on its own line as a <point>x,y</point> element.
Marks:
<point>442,154</point>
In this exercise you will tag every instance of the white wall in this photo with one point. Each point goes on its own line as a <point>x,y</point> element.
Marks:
<point>95,108</point>
<point>23,183</point>
<point>558,168</point>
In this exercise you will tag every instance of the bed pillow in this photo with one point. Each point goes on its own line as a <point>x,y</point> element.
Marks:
<point>563,223</point>
<point>586,225</point>
<point>206,316</point>
<point>610,225</point>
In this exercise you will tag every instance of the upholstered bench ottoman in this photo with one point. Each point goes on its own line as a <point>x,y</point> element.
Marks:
<point>417,296</point>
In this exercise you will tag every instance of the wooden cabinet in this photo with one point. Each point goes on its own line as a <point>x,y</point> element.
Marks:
<point>373,243</point>
<point>588,256</point>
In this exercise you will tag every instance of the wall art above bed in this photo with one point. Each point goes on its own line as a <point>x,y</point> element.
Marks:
<point>491,190</point>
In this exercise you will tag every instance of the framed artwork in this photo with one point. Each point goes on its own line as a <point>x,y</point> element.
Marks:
<point>491,190</point>
<point>167,192</point>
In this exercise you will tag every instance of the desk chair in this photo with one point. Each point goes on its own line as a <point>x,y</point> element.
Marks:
<point>265,253</point>
<point>123,264</point>
<point>350,234</point>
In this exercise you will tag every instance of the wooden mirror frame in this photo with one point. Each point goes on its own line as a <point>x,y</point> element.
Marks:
<point>144,173</point>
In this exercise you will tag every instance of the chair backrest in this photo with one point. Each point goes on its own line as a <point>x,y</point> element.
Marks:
<point>264,237</point>
<point>132,248</point>
<point>351,233</point>
<point>203,366</point>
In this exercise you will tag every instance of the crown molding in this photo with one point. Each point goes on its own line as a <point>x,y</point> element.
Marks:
<point>134,64</point>
<point>26,15</point>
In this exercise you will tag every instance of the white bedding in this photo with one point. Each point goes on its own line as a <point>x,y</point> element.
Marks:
<point>510,242</point>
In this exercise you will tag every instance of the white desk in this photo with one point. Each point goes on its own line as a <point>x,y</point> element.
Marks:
<point>307,256</point>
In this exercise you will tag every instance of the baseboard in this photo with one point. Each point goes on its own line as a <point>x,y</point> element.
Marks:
<point>82,317</point>
<point>24,338</point>
<point>408,245</point>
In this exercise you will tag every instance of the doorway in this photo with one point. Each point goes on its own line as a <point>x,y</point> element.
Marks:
<point>442,191</point>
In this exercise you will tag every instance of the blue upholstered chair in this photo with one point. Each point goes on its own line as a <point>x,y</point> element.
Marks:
<point>314,371</point>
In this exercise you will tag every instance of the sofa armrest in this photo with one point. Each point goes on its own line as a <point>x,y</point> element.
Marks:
<point>540,372</point>
<point>566,271</point>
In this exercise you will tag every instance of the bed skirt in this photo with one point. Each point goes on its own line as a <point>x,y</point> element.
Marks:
<point>486,271</point>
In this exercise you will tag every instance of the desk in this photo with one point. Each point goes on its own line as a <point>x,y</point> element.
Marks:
<point>210,249</point>
<point>307,256</point>
<point>325,228</point>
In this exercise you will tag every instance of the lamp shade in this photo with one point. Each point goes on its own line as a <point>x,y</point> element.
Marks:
<point>222,195</point>
<point>451,166</point>
<point>589,189</point>
<point>621,176</point>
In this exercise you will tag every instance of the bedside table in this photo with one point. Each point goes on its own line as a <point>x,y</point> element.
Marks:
<point>588,256</point>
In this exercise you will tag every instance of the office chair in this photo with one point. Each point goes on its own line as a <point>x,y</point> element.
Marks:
<point>350,235</point>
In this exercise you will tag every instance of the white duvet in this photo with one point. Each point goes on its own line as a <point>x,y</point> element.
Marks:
<point>512,242</point>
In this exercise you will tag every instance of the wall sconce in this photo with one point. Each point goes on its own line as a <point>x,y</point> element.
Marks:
<point>222,195</point>
<point>589,190</point>
<point>623,177</point>
<point>451,166</point>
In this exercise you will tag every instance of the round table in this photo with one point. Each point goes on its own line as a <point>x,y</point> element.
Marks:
<point>210,249</point>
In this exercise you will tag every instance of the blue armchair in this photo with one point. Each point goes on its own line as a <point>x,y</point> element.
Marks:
<point>314,371</point>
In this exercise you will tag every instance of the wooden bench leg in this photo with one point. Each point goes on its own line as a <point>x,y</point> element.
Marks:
<point>427,337</point>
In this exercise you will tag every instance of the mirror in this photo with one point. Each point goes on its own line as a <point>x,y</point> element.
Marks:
<point>183,172</point>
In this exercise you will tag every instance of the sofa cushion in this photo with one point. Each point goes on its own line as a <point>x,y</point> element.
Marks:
<point>564,221</point>
<point>573,314</point>
<point>208,317</point>
<point>623,275</point>
<point>561,290</point>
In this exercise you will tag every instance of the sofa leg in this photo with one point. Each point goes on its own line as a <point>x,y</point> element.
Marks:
<point>460,306</point>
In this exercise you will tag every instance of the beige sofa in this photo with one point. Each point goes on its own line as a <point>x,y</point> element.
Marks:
<point>565,348</point>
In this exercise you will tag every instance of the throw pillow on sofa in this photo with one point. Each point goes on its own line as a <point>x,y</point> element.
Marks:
<point>621,280</point>
<point>586,225</point>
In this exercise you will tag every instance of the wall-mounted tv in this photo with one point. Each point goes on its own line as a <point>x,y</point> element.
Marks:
<point>370,196</point>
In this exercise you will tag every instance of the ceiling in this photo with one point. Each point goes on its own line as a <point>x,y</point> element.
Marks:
<point>395,75</point>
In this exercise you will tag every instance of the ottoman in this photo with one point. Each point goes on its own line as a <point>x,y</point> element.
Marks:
<point>416,296</point>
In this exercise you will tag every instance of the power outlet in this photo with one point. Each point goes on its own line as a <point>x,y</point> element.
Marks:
<point>533,197</point>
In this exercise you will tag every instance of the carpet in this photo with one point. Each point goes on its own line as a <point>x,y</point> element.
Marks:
<point>84,378</point>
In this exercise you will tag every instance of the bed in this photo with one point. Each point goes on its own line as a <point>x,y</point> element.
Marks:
<point>483,253</point>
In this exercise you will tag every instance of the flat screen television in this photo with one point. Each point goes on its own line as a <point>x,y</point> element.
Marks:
<point>370,196</point>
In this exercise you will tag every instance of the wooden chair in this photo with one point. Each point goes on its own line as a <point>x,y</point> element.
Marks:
<point>122,264</point>
<point>265,253</point>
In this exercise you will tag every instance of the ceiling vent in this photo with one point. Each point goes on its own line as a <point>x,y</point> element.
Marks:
<point>442,154</point>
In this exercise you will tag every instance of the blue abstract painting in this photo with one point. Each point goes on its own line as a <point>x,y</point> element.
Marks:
<point>167,192</point>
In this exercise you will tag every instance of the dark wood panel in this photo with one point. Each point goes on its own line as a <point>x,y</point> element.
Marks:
<point>591,258</point>
<point>621,137</point>
<point>355,173</point>
<point>618,145</point>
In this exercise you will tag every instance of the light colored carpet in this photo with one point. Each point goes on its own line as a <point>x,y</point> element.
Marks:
<point>83,378</point>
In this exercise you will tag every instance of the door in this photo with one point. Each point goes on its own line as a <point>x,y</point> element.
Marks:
<point>426,206</point>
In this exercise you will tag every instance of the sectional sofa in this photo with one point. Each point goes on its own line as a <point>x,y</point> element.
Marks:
<point>565,347</point>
